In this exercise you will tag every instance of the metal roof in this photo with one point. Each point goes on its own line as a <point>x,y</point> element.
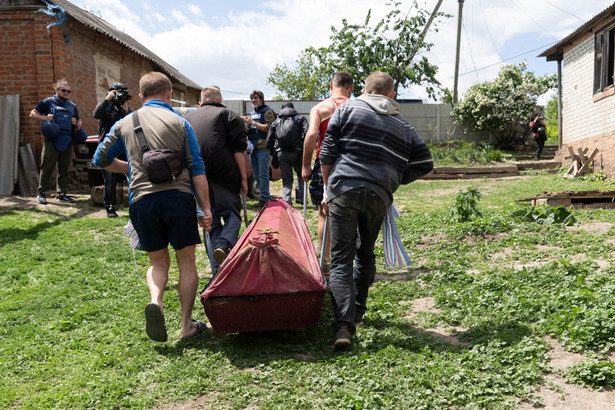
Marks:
<point>97,24</point>
<point>556,52</point>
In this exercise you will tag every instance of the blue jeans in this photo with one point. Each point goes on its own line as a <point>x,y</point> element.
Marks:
<point>260,167</point>
<point>226,211</point>
<point>355,219</point>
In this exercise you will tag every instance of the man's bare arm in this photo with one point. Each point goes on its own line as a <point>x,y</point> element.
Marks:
<point>323,109</point>
<point>118,166</point>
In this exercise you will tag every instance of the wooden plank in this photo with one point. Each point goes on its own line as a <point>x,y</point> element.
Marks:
<point>587,162</point>
<point>475,170</point>
<point>581,155</point>
<point>27,174</point>
<point>497,175</point>
<point>442,176</point>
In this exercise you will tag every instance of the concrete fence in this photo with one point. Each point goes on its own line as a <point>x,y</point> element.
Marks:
<point>432,122</point>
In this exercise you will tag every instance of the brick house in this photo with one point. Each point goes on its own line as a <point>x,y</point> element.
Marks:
<point>587,89</point>
<point>83,48</point>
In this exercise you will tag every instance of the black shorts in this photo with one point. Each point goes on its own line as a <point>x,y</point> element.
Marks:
<point>316,184</point>
<point>165,217</point>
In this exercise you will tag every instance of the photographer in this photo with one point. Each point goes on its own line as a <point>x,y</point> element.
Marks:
<point>539,132</point>
<point>112,109</point>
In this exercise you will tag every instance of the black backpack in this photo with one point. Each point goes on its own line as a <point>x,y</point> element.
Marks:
<point>288,133</point>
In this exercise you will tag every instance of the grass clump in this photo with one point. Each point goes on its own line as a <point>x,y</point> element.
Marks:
<point>592,373</point>
<point>464,152</point>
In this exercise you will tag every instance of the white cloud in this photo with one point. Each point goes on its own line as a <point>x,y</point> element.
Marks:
<point>180,17</point>
<point>194,10</point>
<point>237,47</point>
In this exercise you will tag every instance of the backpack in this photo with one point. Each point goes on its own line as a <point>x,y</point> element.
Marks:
<point>288,133</point>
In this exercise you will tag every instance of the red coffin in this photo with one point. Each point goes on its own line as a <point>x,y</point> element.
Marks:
<point>270,280</point>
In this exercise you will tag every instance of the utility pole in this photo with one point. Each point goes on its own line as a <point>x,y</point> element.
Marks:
<point>459,22</point>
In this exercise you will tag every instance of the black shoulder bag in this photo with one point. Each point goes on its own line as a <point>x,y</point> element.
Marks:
<point>161,165</point>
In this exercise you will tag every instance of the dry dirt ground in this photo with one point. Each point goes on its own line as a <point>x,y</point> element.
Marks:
<point>555,393</point>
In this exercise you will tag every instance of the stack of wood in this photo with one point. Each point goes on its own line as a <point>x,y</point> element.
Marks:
<point>575,199</point>
<point>581,164</point>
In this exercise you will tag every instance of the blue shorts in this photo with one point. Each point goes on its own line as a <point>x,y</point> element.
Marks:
<point>165,217</point>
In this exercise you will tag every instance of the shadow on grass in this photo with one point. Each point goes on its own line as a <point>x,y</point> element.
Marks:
<point>16,234</point>
<point>248,350</point>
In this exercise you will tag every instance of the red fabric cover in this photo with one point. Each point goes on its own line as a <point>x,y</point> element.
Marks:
<point>274,256</point>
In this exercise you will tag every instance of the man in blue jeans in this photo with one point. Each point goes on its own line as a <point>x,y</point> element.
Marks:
<point>369,148</point>
<point>259,121</point>
<point>222,138</point>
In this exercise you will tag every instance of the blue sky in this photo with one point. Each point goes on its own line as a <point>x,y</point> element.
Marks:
<point>236,44</point>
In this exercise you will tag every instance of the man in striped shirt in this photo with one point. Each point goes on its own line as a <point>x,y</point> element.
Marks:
<point>368,151</point>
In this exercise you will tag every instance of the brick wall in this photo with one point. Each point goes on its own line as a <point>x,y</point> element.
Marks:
<point>603,161</point>
<point>25,53</point>
<point>583,116</point>
<point>588,120</point>
<point>33,59</point>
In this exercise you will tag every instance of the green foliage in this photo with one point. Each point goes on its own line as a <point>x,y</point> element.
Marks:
<point>596,176</point>
<point>466,205</point>
<point>391,45</point>
<point>497,106</point>
<point>551,121</point>
<point>594,373</point>
<point>547,215</point>
<point>306,81</point>
<point>464,152</point>
<point>72,326</point>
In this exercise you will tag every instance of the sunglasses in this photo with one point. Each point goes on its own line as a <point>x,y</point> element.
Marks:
<point>64,90</point>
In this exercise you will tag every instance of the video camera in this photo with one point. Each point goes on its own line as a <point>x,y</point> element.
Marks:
<point>121,93</point>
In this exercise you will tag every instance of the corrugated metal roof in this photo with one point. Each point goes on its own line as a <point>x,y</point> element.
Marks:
<point>557,49</point>
<point>103,27</point>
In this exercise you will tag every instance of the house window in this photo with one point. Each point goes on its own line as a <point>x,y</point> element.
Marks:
<point>604,59</point>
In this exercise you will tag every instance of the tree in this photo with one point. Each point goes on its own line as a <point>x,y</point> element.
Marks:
<point>392,46</point>
<point>497,106</point>
<point>551,119</point>
<point>307,81</point>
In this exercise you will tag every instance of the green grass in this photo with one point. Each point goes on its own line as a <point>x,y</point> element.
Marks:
<point>72,324</point>
<point>457,152</point>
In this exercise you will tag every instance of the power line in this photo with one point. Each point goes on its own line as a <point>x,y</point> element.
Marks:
<point>470,48</point>
<point>504,60</point>
<point>482,12</point>
<point>532,18</point>
<point>565,11</point>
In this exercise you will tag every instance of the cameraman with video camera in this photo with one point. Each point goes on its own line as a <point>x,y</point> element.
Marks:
<point>110,110</point>
<point>539,132</point>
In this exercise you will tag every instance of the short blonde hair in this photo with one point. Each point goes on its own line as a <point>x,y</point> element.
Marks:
<point>61,82</point>
<point>154,83</point>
